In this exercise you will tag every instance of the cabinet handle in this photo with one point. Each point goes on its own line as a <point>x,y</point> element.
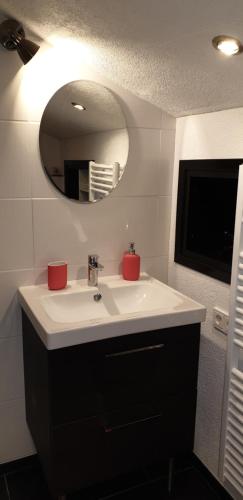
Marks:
<point>122,426</point>
<point>132,351</point>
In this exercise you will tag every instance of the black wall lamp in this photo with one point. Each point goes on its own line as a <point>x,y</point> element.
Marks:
<point>12,37</point>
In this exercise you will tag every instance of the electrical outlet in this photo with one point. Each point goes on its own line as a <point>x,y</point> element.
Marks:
<point>221,320</point>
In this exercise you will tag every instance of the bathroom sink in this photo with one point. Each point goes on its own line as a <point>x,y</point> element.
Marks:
<point>71,316</point>
<point>73,307</point>
<point>147,296</point>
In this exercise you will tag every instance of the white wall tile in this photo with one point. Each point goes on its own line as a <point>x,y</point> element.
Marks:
<point>168,122</point>
<point>138,113</point>
<point>10,320</point>
<point>211,135</point>
<point>11,368</point>
<point>11,70</point>
<point>15,437</point>
<point>16,234</point>
<point>25,90</point>
<point>167,148</point>
<point>15,160</point>
<point>142,172</point>
<point>77,272</point>
<point>163,225</point>
<point>156,267</point>
<point>41,186</point>
<point>69,231</point>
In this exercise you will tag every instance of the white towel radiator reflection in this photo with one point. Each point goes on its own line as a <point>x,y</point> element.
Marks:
<point>102,179</point>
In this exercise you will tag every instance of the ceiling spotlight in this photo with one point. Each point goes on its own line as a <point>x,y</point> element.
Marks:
<point>228,45</point>
<point>78,106</point>
<point>12,37</point>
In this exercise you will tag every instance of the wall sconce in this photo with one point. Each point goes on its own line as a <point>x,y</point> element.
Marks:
<point>12,37</point>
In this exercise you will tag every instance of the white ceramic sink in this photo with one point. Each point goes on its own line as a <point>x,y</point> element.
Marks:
<point>143,296</point>
<point>147,296</point>
<point>72,316</point>
<point>73,307</point>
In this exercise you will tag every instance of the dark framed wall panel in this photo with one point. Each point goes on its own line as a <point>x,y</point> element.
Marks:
<point>206,203</point>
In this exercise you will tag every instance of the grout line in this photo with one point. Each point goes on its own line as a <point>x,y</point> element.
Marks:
<point>16,199</point>
<point>4,401</point>
<point>79,264</point>
<point>33,237</point>
<point>9,338</point>
<point>17,270</point>
<point>163,129</point>
<point>115,196</point>
<point>23,468</point>
<point>32,122</point>
<point>128,127</point>
<point>108,261</point>
<point>6,486</point>
<point>131,488</point>
<point>51,199</point>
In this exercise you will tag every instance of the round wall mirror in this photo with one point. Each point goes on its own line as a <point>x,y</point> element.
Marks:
<point>84,141</point>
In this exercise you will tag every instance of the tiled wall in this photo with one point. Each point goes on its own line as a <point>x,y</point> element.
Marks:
<point>212,135</point>
<point>37,224</point>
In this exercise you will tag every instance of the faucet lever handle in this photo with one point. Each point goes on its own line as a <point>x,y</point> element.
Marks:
<point>93,261</point>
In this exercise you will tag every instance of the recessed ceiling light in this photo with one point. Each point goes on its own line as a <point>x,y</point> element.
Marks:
<point>228,45</point>
<point>78,106</point>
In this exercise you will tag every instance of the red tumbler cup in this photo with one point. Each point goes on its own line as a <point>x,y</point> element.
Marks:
<point>57,275</point>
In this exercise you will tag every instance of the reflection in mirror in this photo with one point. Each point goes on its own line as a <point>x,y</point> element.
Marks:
<point>84,141</point>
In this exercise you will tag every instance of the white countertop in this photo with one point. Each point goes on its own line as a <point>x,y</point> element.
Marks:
<point>57,334</point>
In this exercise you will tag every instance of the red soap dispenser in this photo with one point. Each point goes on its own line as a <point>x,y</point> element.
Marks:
<point>131,264</point>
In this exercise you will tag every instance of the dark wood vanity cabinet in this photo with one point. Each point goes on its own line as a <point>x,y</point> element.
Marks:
<point>100,409</point>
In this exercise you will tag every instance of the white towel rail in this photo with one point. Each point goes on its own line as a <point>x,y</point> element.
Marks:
<point>102,179</point>
<point>232,446</point>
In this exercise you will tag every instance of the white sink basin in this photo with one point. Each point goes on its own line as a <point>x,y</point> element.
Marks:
<point>73,307</point>
<point>72,316</point>
<point>142,297</point>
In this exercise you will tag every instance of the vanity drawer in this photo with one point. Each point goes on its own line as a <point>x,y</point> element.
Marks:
<point>115,444</point>
<point>141,369</point>
<point>146,369</point>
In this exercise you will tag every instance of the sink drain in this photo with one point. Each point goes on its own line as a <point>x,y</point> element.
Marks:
<point>97,297</point>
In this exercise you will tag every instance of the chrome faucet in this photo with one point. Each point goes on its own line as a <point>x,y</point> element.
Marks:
<point>93,268</point>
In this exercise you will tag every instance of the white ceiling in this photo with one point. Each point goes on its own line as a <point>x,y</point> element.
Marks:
<point>158,49</point>
<point>102,111</point>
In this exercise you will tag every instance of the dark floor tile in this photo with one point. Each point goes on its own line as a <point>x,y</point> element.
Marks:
<point>161,469</point>
<point>211,480</point>
<point>155,490</point>
<point>157,470</point>
<point>27,484</point>
<point>111,488</point>
<point>17,465</point>
<point>3,490</point>
<point>188,485</point>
